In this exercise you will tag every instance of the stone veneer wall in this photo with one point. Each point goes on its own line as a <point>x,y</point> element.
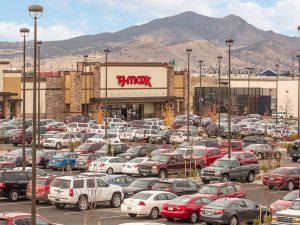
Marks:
<point>75,94</point>
<point>55,105</point>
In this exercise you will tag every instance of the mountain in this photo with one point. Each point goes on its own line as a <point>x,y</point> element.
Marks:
<point>166,38</point>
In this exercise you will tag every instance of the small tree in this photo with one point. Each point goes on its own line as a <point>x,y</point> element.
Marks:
<point>168,115</point>
<point>287,105</point>
<point>100,117</point>
<point>212,113</point>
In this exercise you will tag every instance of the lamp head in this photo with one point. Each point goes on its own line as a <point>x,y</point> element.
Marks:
<point>106,51</point>
<point>85,56</point>
<point>219,57</point>
<point>188,50</point>
<point>277,66</point>
<point>298,28</point>
<point>24,32</point>
<point>229,42</point>
<point>35,11</point>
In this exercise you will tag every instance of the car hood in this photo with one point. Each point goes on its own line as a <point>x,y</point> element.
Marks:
<point>283,203</point>
<point>133,189</point>
<point>288,212</point>
<point>211,168</point>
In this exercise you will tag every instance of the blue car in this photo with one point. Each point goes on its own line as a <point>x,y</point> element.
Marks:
<point>64,160</point>
<point>120,180</point>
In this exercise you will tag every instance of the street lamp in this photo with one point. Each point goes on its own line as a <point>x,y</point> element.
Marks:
<point>277,74</point>
<point>85,99</point>
<point>298,56</point>
<point>200,85</point>
<point>106,51</point>
<point>188,51</point>
<point>24,33</point>
<point>35,11</point>
<point>229,43</point>
<point>39,44</point>
<point>219,72</point>
<point>248,95</point>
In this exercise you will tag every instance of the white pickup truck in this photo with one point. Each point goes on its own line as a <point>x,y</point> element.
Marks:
<point>288,216</point>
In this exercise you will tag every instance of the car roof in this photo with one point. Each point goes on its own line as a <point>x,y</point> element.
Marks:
<point>171,180</point>
<point>221,184</point>
<point>149,178</point>
<point>155,192</point>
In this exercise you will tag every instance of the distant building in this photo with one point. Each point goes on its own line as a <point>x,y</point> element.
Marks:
<point>268,72</point>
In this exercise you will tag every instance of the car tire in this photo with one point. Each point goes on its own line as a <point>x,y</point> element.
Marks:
<point>46,165</point>
<point>154,214</point>
<point>198,172</point>
<point>294,159</point>
<point>170,218</point>
<point>193,218</point>
<point>15,144</point>
<point>225,178</point>
<point>13,195</point>
<point>82,204</point>
<point>250,177</point>
<point>116,200</point>
<point>109,171</point>
<point>59,205</point>
<point>233,220</point>
<point>58,146</point>
<point>132,215</point>
<point>290,185</point>
<point>259,156</point>
<point>205,181</point>
<point>162,174</point>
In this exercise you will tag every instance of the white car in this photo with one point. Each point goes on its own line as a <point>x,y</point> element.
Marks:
<point>107,165</point>
<point>180,137</point>
<point>184,129</point>
<point>112,138</point>
<point>129,134</point>
<point>78,127</point>
<point>133,166</point>
<point>147,203</point>
<point>82,191</point>
<point>61,140</point>
<point>100,128</point>
<point>116,122</point>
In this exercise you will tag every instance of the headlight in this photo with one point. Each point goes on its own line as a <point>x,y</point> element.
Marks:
<point>202,172</point>
<point>297,220</point>
<point>154,167</point>
<point>218,173</point>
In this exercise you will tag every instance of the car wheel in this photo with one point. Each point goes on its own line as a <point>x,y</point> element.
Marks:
<point>225,178</point>
<point>82,204</point>
<point>193,218</point>
<point>198,171</point>
<point>290,185</point>
<point>233,221</point>
<point>132,214</point>
<point>259,156</point>
<point>162,174</point>
<point>116,201</point>
<point>294,159</point>
<point>205,181</point>
<point>58,145</point>
<point>59,205</point>
<point>13,195</point>
<point>109,171</point>
<point>170,218</point>
<point>46,165</point>
<point>250,177</point>
<point>15,144</point>
<point>154,214</point>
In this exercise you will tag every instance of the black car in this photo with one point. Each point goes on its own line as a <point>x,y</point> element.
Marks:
<point>141,184</point>
<point>138,151</point>
<point>116,148</point>
<point>162,136</point>
<point>232,211</point>
<point>42,158</point>
<point>177,186</point>
<point>14,184</point>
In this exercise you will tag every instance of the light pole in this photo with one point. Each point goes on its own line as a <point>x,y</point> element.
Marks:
<point>24,33</point>
<point>188,51</point>
<point>219,72</point>
<point>248,95</point>
<point>106,51</point>
<point>200,85</point>
<point>229,43</point>
<point>35,11</point>
<point>39,44</point>
<point>277,74</point>
<point>85,98</point>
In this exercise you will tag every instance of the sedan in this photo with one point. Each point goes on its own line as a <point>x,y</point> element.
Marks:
<point>263,151</point>
<point>185,207</point>
<point>232,211</point>
<point>133,166</point>
<point>140,184</point>
<point>148,203</point>
<point>88,147</point>
<point>285,202</point>
<point>137,151</point>
<point>107,165</point>
<point>120,180</point>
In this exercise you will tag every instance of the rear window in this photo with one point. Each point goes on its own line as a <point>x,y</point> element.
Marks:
<point>60,183</point>
<point>3,222</point>
<point>213,190</point>
<point>162,185</point>
<point>9,176</point>
<point>141,196</point>
<point>223,202</point>
<point>237,187</point>
<point>182,199</point>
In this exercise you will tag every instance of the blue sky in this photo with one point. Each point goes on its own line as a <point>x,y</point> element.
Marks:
<point>63,19</point>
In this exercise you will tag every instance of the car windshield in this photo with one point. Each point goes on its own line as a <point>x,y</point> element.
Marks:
<point>212,190</point>
<point>102,159</point>
<point>100,136</point>
<point>223,202</point>
<point>281,171</point>
<point>180,151</point>
<point>58,136</point>
<point>83,157</point>
<point>199,153</point>
<point>161,158</point>
<point>295,205</point>
<point>162,132</point>
<point>61,183</point>
<point>141,196</point>
<point>290,196</point>
<point>136,160</point>
<point>182,199</point>
<point>140,183</point>
<point>84,146</point>
<point>60,155</point>
<point>133,150</point>
<point>221,163</point>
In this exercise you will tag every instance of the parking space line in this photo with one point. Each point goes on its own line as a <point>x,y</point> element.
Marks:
<point>108,217</point>
<point>45,207</point>
<point>15,203</point>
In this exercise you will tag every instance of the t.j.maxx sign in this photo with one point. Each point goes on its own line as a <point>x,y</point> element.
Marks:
<point>134,80</point>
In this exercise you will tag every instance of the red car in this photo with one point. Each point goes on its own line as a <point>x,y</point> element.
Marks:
<point>7,165</point>
<point>185,207</point>
<point>285,202</point>
<point>42,188</point>
<point>283,177</point>
<point>16,218</point>
<point>235,146</point>
<point>180,123</point>
<point>244,158</point>
<point>223,190</point>
<point>207,154</point>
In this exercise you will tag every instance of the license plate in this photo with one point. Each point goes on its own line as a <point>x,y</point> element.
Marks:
<point>170,208</point>
<point>128,208</point>
<point>208,213</point>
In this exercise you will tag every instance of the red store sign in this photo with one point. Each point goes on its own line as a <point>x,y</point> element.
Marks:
<point>132,79</point>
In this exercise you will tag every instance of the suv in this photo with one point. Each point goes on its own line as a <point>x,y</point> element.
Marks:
<point>83,191</point>
<point>177,186</point>
<point>14,184</point>
<point>207,154</point>
<point>78,127</point>
<point>61,140</point>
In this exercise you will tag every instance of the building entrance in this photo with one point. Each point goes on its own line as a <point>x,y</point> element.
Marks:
<point>127,112</point>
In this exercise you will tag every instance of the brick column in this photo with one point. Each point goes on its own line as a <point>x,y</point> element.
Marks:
<point>55,98</point>
<point>75,94</point>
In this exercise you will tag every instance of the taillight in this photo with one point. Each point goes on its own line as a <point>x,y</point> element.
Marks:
<point>219,212</point>
<point>71,192</point>
<point>279,178</point>
<point>88,162</point>
<point>141,203</point>
<point>168,189</point>
<point>60,160</point>
<point>181,208</point>
<point>2,185</point>
<point>102,164</point>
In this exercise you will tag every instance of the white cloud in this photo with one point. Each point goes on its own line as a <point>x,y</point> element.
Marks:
<point>10,31</point>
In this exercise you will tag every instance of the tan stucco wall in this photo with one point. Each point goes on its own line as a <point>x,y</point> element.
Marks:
<point>178,85</point>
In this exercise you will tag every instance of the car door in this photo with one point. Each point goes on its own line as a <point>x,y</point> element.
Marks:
<point>223,192</point>
<point>101,193</point>
<point>194,187</point>
<point>23,180</point>
<point>235,170</point>
<point>65,140</point>
<point>252,210</point>
<point>210,156</point>
<point>242,211</point>
<point>231,191</point>
<point>119,164</point>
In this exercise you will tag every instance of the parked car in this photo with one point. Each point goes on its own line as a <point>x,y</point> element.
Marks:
<point>56,126</point>
<point>185,207</point>
<point>85,136</point>
<point>235,146</point>
<point>42,188</point>
<point>119,180</point>
<point>84,160</point>
<point>148,203</point>
<point>283,178</point>
<point>7,165</point>
<point>206,154</point>
<point>129,134</point>
<point>263,151</point>
<point>137,151</point>
<point>223,190</point>
<point>207,143</point>
<point>17,138</point>
<point>133,166</point>
<point>177,186</point>
<point>160,151</point>
<point>78,128</point>
<point>107,165</point>
<point>232,211</point>
<point>285,202</point>
<point>49,134</point>
<point>111,138</point>
<point>42,158</point>
<point>61,140</point>
<point>63,160</point>
<point>115,148</point>
<point>100,128</point>
<point>18,218</point>
<point>290,214</point>
<point>161,137</point>
<point>16,156</point>
<point>5,137</point>
<point>88,147</point>
<point>116,122</point>
<point>144,134</point>
<point>81,191</point>
<point>244,158</point>
<point>140,184</point>
<point>180,137</point>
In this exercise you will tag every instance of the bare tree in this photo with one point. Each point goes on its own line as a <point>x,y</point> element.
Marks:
<point>287,105</point>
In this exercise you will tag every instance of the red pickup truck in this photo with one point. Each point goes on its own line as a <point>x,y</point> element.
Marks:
<point>235,146</point>
<point>207,154</point>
